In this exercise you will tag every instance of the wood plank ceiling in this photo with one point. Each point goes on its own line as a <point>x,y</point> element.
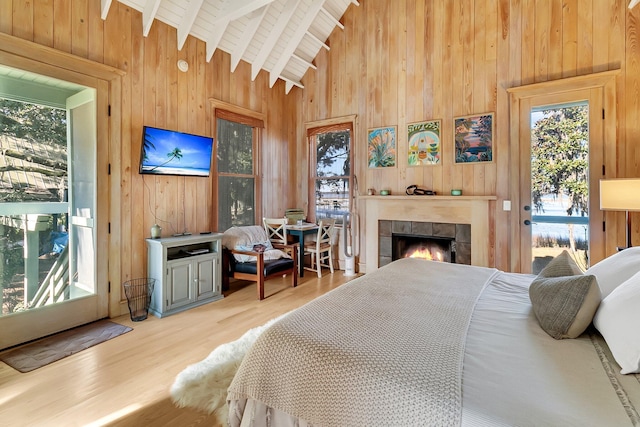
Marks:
<point>282,37</point>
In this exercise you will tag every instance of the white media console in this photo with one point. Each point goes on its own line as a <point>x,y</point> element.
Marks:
<point>187,271</point>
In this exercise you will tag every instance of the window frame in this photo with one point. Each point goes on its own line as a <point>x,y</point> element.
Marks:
<point>312,129</point>
<point>254,119</point>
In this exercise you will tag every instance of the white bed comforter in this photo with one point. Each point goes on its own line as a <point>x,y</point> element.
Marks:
<point>514,374</point>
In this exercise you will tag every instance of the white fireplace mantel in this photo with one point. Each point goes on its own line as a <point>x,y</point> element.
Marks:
<point>473,210</point>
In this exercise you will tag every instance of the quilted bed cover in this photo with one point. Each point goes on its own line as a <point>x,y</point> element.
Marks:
<point>425,343</point>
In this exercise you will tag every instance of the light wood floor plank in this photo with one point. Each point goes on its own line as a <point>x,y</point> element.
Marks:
<point>126,381</point>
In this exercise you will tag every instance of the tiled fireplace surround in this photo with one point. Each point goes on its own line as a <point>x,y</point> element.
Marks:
<point>460,233</point>
<point>471,210</point>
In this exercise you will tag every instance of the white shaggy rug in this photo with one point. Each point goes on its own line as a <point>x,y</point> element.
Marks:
<point>204,385</point>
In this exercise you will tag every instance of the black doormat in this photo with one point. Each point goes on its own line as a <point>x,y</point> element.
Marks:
<point>55,347</point>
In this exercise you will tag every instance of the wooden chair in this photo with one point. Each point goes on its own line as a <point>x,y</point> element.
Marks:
<point>321,249</point>
<point>276,229</point>
<point>259,270</point>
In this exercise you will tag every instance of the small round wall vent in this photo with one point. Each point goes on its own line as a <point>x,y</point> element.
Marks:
<point>183,65</point>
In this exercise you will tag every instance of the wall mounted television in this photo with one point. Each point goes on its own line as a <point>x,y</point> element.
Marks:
<point>167,152</point>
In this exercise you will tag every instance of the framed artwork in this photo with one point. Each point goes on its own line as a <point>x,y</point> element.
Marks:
<point>381,147</point>
<point>473,136</point>
<point>424,143</point>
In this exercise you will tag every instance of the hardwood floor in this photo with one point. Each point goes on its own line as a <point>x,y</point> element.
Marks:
<point>126,381</point>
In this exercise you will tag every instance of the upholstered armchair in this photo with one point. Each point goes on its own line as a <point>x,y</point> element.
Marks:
<point>248,255</point>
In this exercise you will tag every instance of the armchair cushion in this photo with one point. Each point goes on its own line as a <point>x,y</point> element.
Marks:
<point>250,238</point>
<point>270,267</point>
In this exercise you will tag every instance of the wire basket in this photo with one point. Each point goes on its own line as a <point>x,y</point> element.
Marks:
<point>138,292</point>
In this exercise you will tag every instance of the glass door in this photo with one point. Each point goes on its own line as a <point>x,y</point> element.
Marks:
<point>47,208</point>
<point>560,166</point>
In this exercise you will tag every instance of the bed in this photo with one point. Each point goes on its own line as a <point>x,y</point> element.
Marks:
<point>425,343</point>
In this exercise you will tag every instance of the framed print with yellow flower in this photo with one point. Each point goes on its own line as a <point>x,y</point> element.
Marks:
<point>474,138</point>
<point>424,143</point>
<point>381,147</point>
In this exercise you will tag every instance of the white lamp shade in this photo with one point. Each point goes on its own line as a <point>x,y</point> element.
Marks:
<point>620,194</point>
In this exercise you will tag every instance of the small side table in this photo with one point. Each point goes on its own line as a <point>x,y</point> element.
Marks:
<point>299,231</point>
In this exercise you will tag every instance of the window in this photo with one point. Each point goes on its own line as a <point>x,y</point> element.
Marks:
<point>331,170</point>
<point>237,160</point>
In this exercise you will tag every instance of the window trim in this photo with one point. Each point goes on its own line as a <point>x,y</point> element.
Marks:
<point>323,126</point>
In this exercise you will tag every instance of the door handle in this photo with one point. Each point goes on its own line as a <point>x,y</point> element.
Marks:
<point>527,222</point>
<point>527,208</point>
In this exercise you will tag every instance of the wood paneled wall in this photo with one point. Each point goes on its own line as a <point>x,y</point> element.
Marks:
<point>395,63</point>
<point>156,93</point>
<point>411,60</point>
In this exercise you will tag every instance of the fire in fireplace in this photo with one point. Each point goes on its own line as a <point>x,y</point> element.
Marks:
<point>426,247</point>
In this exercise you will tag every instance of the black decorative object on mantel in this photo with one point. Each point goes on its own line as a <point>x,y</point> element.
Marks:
<point>413,190</point>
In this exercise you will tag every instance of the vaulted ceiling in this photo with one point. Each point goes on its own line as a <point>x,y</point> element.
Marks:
<point>282,37</point>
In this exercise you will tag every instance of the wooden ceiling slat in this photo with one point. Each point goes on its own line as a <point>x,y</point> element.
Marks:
<point>264,44</point>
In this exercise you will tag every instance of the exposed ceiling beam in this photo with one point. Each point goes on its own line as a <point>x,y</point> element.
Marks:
<point>234,9</point>
<point>318,41</point>
<point>289,84</point>
<point>184,28</point>
<point>333,18</point>
<point>294,42</point>
<point>231,12</point>
<point>633,3</point>
<point>106,4</point>
<point>252,27</point>
<point>304,61</point>
<point>274,35</point>
<point>149,14</point>
<point>214,38</point>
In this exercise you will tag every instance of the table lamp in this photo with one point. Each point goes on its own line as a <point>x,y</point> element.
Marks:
<point>622,194</point>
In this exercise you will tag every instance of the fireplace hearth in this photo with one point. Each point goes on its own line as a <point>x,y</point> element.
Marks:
<point>442,241</point>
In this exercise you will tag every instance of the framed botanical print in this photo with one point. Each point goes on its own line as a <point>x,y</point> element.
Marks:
<point>381,147</point>
<point>473,136</point>
<point>424,143</point>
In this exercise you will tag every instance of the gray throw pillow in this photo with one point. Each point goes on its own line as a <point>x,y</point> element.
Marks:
<point>564,299</point>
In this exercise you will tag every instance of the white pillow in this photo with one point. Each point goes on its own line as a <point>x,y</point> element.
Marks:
<point>617,268</point>
<point>618,320</point>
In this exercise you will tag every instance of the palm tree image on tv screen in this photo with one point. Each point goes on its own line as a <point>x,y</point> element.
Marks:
<point>167,152</point>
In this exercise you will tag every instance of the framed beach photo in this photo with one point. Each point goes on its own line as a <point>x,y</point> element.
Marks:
<point>381,147</point>
<point>473,137</point>
<point>424,143</point>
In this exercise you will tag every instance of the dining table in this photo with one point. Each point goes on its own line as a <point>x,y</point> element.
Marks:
<point>299,231</point>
